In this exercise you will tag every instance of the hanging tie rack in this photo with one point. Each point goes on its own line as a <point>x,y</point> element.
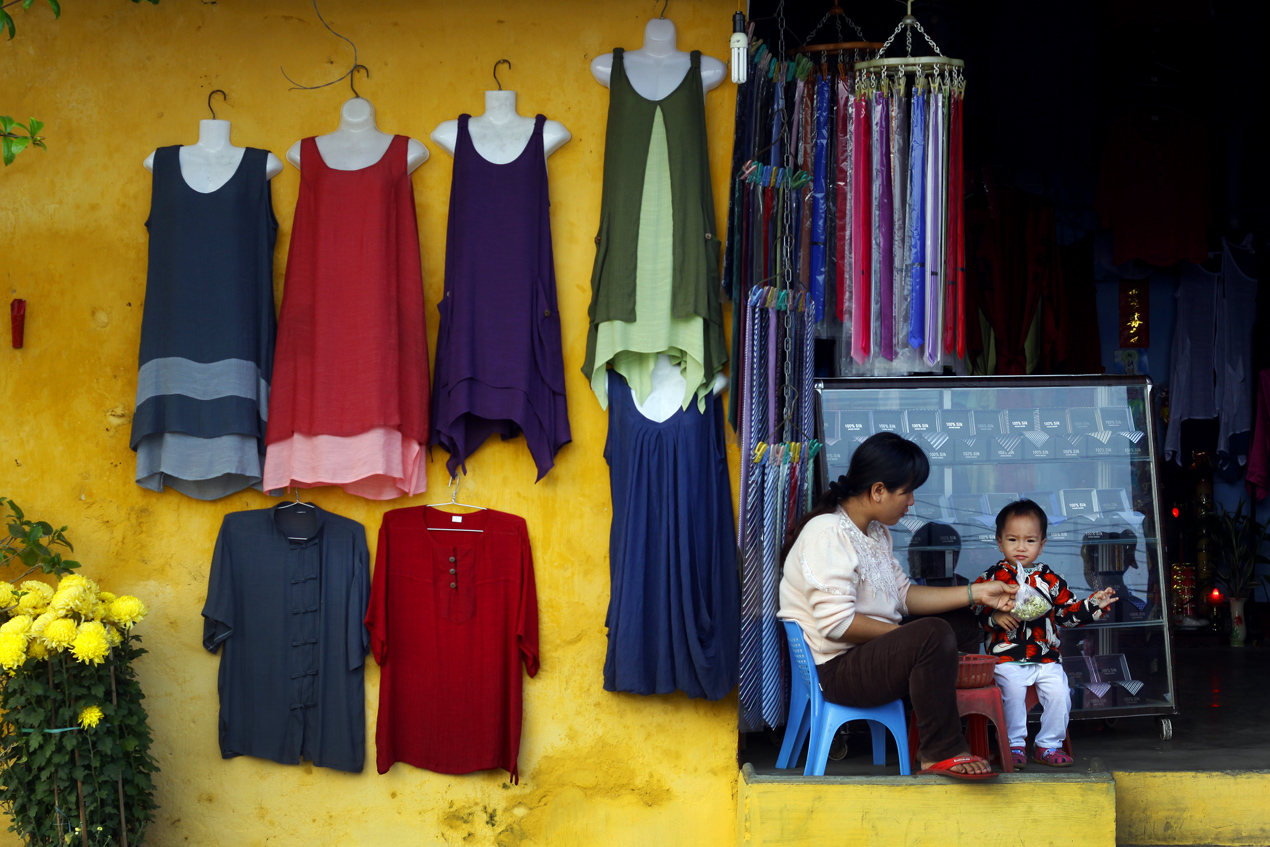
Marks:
<point>910,62</point>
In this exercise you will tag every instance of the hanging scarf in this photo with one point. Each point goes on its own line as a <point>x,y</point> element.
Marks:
<point>933,288</point>
<point>884,252</point>
<point>916,263</point>
<point>861,236</point>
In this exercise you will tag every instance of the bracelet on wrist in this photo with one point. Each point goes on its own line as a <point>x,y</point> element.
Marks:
<point>970,592</point>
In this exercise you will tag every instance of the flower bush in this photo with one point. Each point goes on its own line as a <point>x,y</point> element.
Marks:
<point>75,766</point>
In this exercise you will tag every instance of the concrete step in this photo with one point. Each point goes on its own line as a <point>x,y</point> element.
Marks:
<point>1037,810</point>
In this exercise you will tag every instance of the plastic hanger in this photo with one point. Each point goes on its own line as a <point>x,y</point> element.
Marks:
<point>454,501</point>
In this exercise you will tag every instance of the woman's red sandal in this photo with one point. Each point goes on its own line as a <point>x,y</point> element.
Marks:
<point>1055,757</point>
<point>945,768</point>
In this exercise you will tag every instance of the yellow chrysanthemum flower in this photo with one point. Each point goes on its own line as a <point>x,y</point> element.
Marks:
<point>90,645</point>
<point>6,595</point>
<point>37,628</point>
<point>36,649</point>
<point>36,599</point>
<point>12,650</point>
<point>106,597</point>
<point>74,597</point>
<point>90,717</point>
<point>127,610</point>
<point>20,624</point>
<point>59,634</point>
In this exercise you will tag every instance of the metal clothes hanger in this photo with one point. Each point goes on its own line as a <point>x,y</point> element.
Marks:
<point>223,96</point>
<point>296,502</point>
<point>454,501</point>
<point>292,504</point>
<point>496,64</point>
<point>352,77</point>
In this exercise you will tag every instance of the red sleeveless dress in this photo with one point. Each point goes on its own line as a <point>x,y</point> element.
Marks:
<point>350,387</point>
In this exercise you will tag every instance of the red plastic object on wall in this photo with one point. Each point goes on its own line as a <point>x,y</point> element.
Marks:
<point>17,317</point>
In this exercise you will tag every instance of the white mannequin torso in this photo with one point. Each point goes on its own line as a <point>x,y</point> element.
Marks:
<point>213,161</point>
<point>358,143</point>
<point>500,134</point>
<point>667,395</point>
<point>656,69</point>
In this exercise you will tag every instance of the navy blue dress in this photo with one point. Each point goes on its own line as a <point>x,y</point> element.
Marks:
<point>674,607</point>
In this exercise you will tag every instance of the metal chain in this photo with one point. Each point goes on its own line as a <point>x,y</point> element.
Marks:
<point>908,37</point>
<point>838,18</point>
<point>780,24</point>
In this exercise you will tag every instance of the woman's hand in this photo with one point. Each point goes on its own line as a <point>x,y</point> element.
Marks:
<point>1005,620</point>
<point>1103,599</point>
<point>994,594</point>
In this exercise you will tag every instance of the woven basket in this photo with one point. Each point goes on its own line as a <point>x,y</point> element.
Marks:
<point>975,671</point>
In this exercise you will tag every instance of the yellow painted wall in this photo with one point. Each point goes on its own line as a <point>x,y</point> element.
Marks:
<point>114,80</point>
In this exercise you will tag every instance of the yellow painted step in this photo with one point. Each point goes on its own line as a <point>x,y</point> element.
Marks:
<point>1056,809</point>
<point>1187,807</point>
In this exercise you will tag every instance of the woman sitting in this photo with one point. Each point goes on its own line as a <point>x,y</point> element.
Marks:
<point>844,587</point>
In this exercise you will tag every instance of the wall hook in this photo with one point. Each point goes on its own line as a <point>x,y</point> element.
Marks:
<point>352,76</point>
<point>223,96</point>
<point>496,64</point>
<point>664,4</point>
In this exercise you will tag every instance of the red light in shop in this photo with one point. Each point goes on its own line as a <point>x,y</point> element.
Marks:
<point>1215,596</point>
<point>1176,511</point>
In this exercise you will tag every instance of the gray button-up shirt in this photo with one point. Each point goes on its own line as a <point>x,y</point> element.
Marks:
<point>286,600</point>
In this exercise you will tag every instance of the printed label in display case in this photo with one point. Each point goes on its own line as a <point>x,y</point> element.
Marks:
<point>1079,501</point>
<point>957,422</point>
<point>1069,447</point>
<point>888,420</point>
<point>972,449</point>
<point>854,424</point>
<point>1006,448</point>
<point>1115,418</point>
<point>989,422</point>
<point>922,421</point>
<point>1038,447</point>
<point>1098,445</point>
<point>1022,420</point>
<point>938,447</point>
<point>1112,667</point>
<point>1054,421</point>
<point>1082,419</point>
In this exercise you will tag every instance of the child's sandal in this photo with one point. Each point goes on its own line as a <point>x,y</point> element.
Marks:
<point>1018,757</point>
<point>1055,757</point>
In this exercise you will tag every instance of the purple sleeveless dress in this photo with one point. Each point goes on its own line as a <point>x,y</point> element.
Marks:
<point>499,367</point>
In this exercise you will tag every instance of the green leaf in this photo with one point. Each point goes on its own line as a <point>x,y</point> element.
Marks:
<point>26,4</point>
<point>6,150</point>
<point>35,128</point>
<point>6,22</point>
<point>19,144</point>
<point>57,8</point>
<point>6,124</point>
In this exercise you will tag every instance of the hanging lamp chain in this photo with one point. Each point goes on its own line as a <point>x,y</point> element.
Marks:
<point>908,23</point>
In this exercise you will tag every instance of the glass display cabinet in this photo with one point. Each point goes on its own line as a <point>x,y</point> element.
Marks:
<point>1081,447</point>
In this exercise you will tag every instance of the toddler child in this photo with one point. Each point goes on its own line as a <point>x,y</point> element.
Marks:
<point>1027,653</point>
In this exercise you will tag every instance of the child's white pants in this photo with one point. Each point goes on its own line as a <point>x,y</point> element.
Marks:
<point>1013,678</point>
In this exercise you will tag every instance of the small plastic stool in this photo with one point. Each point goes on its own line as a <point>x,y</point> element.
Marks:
<point>981,705</point>
<point>1029,700</point>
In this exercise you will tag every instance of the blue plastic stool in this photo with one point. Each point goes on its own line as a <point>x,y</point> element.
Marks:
<point>815,717</point>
